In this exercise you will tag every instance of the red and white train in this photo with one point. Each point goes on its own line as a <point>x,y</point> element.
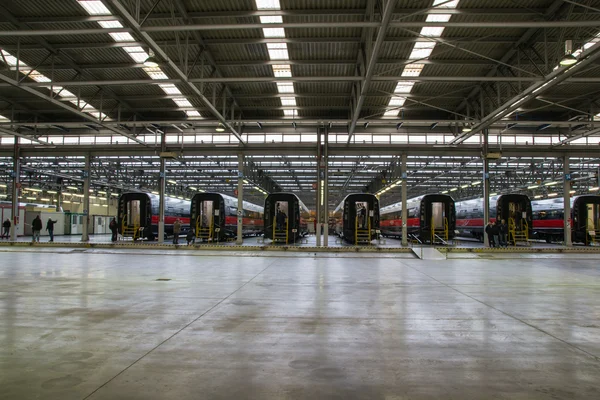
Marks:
<point>469,214</point>
<point>141,210</point>
<point>548,219</point>
<point>435,211</point>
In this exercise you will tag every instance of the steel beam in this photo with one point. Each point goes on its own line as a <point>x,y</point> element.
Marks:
<point>508,24</point>
<point>137,29</point>
<point>60,104</point>
<point>558,76</point>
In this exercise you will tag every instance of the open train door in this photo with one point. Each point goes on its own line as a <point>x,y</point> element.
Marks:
<point>437,218</point>
<point>515,210</point>
<point>586,219</point>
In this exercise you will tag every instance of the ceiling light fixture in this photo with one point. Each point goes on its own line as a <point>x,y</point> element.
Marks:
<point>151,61</point>
<point>569,58</point>
<point>220,127</point>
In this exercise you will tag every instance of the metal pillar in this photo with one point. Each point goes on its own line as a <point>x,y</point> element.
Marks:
<point>486,187</point>
<point>240,199</point>
<point>85,236</point>
<point>567,201</point>
<point>325,195</point>
<point>319,189</point>
<point>404,206</point>
<point>15,190</point>
<point>161,192</point>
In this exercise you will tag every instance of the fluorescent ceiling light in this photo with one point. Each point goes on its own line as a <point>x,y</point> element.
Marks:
<point>44,199</point>
<point>539,196</point>
<point>465,186</point>
<point>476,183</point>
<point>533,187</point>
<point>551,183</point>
<point>493,194</point>
<point>71,187</point>
<point>593,189</point>
<point>444,192</point>
<point>172,181</point>
<point>51,191</point>
<point>552,194</point>
<point>453,189</point>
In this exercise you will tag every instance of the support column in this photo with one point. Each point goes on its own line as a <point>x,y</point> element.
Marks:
<point>486,187</point>
<point>319,189</point>
<point>404,206</point>
<point>240,200</point>
<point>567,201</point>
<point>85,236</point>
<point>16,185</point>
<point>161,193</point>
<point>325,162</point>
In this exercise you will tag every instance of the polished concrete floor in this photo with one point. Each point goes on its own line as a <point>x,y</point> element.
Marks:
<point>126,325</point>
<point>309,241</point>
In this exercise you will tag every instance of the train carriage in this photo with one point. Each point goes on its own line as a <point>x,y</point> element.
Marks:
<point>548,219</point>
<point>283,217</point>
<point>214,217</point>
<point>360,218</point>
<point>515,209</point>
<point>138,215</point>
<point>430,218</point>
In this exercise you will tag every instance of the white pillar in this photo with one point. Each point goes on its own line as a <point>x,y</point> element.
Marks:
<point>486,187</point>
<point>319,180</point>
<point>86,199</point>
<point>567,201</point>
<point>240,200</point>
<point>161,194</point>
<point>15,191</point>
<point>404,206</point>
<point>325,160</point>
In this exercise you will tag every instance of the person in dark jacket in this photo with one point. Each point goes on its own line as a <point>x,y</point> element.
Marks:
<point>190,237</point>
<point>490,235</point>
<point>36,227</point>
<point>503,234</point>
<point>50,228</point>
<point>496,233</point>
<point>114,229</point>
<point>6,228</point>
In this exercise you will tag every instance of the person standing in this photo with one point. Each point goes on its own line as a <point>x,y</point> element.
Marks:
<point>176,231</point>
<point>6,228</point>
<point>503,234</point>
<point>50,228</point>
<point>496,233</point>
<point>113,228</point>
<point>36,226</point>
<point>490,235</point>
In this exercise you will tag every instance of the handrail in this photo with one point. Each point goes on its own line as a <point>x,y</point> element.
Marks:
<point>592,238</point>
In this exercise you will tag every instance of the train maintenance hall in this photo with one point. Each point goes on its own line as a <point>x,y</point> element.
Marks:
<point>300,199</point>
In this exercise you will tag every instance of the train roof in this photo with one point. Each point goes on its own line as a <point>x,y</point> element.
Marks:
<point>341,205</point>
<point>232,202</point>
<point>300,202</point>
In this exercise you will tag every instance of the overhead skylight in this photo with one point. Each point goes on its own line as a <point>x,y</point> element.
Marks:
<point>278,51</point>
<point>274,32</point>
<point>137,53</point>
<point>285,87</point>
<point>57,90</point>
<point>169,88</point>
<point>420,51</point>
<point>271,19</point>
<point>94,7</point>
<point>282,71</point>
<point>288,101</point>
<point>268,5</point>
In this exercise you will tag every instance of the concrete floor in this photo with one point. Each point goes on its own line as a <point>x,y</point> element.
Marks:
<point>99,325</point>
<point>311,241</point>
